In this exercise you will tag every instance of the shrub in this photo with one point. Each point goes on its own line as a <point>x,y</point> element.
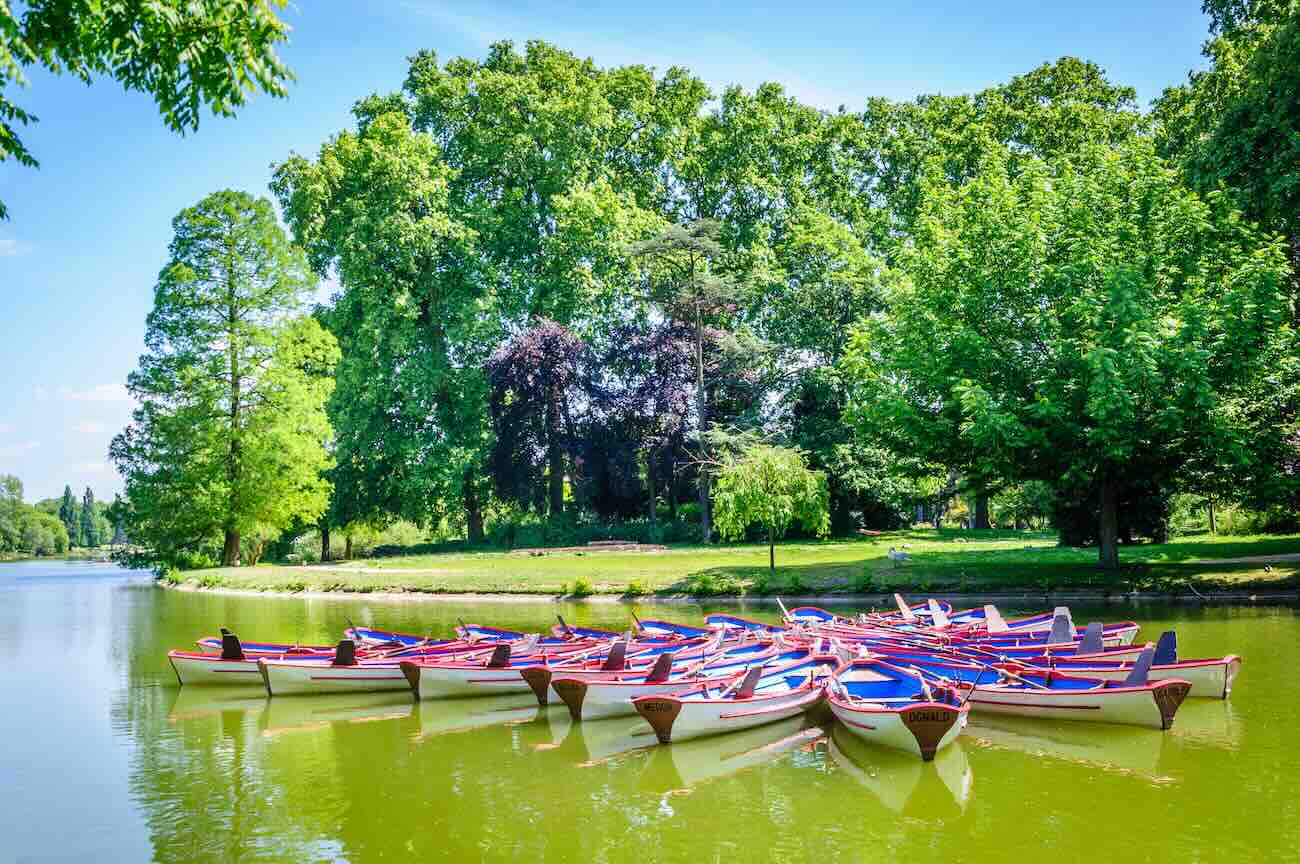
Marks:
<point>635,589</point>
<point>211,580</point>
<point>582,587</point>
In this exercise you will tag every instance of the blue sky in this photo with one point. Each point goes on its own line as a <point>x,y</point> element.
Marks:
<point>88,231</point>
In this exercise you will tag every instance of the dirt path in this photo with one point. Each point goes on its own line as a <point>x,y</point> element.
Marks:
<point>343,568</point>
<point>1283,558</point>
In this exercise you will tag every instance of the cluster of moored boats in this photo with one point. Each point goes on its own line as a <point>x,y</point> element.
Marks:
<point>905,679</point>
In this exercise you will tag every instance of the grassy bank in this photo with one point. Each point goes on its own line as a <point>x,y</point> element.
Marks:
<point>966,561</point>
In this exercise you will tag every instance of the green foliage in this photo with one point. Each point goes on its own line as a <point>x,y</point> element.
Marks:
<point>635,588</point>
<point>770,486</point>
<point>88,528</point>
<point>582,587</point>
<point>1076,322</point>
<point>184,54</point>
<point>229,438</point>
<point>69,515</point>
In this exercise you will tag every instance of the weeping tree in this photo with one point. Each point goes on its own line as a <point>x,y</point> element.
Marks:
<point>772,487</point>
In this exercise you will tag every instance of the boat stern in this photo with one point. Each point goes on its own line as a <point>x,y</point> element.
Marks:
<point>573,693</point>
<point>660,712</point>
<point>931,724</point>
<point>1168,695</point>
<point>539,680</point>
<point>412,672</point>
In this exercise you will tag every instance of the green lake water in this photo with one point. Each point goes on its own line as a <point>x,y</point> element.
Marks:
<point>104,758</point>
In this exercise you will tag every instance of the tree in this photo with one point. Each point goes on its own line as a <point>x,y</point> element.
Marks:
<point>415,319</point>
<point>229,439</point>
<point>685,284</point>
<point>69,516</point>
<point>771,486</point>
<point>11,515</point>
<point>88,529</point>
<point>1084,322</point>
<point>184,54</point>
<point>535,380</point>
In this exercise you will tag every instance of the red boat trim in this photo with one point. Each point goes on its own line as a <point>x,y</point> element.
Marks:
<point>867,726</point>
<point>358,677</point>
<point>978,701</point>
<point>798,703</point>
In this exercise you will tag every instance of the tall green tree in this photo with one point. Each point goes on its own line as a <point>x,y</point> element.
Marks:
<point>230,436</point>
<point>68,514</point>
<point>1082,322</point>
<point>88,529</point>
<point>185,54</point>
<point>685,283</point>
<point>773,487</point>
<point>416,318</point>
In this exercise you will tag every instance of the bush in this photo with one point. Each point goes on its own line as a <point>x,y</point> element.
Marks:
<point>211,580</point>
<point>635,589</point>
<point>582,587</point>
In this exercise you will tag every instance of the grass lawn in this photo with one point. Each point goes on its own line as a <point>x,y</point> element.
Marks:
<point>972,561</point>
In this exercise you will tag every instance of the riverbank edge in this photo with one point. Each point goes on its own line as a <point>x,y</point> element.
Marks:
<point>1258,598</point>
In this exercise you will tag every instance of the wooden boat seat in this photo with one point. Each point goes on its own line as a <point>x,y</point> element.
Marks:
<point>230,647</point>
<point>500,657</point>
<point>345,654</point>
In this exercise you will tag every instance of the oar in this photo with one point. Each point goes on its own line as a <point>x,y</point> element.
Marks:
<point>639,625</point>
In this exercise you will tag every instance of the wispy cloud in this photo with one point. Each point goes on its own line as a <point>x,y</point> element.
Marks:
<point>115,392</point>
<point>93,466</point>
<point>15,451</point>
<point>11,246</point>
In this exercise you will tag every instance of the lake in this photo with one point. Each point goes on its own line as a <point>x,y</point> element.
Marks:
<point>103,756</point>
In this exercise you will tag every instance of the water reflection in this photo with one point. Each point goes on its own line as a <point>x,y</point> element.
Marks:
<point>205,775</point>
<point>902,782</point>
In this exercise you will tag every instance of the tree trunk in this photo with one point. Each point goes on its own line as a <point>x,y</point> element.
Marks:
<point>473,513</point>
<point>230,552</point>
<point>982,510</point>
<point>701,413</point>
<point>256,554</point>
<point>1108,533</point>
<point>672,489</point>
<point>347,547</point>
<point>654,495</point>
<point>1214,520</point>
<point>554,460</point>
<point>324,542</point>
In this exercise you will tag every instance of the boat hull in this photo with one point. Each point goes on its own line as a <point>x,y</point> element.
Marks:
<point>284,678</point>
<point>680,719</point>
<point>210,669</point>
<point>1152,706</point>
<point>1210,679</point>
<point>446,682</point>
<point>922,729</point>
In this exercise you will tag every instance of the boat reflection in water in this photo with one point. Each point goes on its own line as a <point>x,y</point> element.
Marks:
<point>453,716</point>
<point>196,703</point>
<point>1122,749</point>
<point>304,713</point>
<point>685,764</point>
<point>900,781</point>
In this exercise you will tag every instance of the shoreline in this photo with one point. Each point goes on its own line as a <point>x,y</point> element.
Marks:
<point>1257,598</point>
